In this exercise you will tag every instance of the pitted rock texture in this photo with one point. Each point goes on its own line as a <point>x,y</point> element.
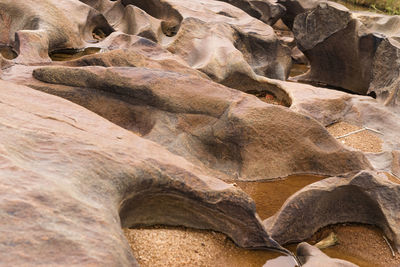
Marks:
<point>70,178</point>
<point>365,198</point>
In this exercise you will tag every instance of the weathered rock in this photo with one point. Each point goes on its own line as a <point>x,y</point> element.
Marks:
<point>219,39</point>
<point>268,11</point>
<point>218,127</point>
<point>365,198</point>
<point>35,28</point>
<point>356,51</point>
<point>386,72</point>
<point>296,7</point>
<point>311,256</point>
<point>329,106</point>
<point>69,179</point>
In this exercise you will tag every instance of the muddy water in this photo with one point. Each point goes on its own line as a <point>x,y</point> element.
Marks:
<point>7,52</point>
<point>71,54</point>
<point>270,195</point>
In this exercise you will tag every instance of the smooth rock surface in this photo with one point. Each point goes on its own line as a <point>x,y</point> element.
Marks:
<point>217,127</point>
<point>364,198</point>
<point>36,28</point>
<point>219,39</point>
<point>70,179</point>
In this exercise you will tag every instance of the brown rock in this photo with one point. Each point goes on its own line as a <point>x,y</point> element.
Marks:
<point>219,39</point>
<point>356,51</point>
<point>36,28</point>
<point>386,72</point>
<point>268,11</point>
<point>365,198</point>
<point>70,178</point>
<point>209,124</point>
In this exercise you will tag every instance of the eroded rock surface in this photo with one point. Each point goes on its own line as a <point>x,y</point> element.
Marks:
<point>365,198</point>
<point>35,28</point>
<point>70,178</point>
<point>220,128</point>
<point>356,51</point>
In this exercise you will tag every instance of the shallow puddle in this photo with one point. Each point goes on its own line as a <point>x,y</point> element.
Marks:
<point>7,52</point>
<point>71,54</point>
<point>298,69</point>
<point>270,195</point>
<point>363,245</point>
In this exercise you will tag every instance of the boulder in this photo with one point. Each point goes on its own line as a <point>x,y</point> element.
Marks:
<point>355,51</point>
<point>366,198</point>
<point>296,7</point>
<point>386,72</point>
<point>69,179</point>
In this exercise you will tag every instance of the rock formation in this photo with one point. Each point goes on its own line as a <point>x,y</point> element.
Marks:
<point>70,178</point>
<point>155,121</point>
<point>356,51</point>
<point>365,198</point>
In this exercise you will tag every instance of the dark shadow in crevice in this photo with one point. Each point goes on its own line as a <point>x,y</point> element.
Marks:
<point>72,54</point>
<point>8,52</point>
<point>171,19</point>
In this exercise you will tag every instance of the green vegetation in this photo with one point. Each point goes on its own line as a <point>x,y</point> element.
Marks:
<point>391,7</point>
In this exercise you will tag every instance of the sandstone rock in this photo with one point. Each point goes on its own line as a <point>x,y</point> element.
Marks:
<point>123,50</point>
<point>351,50</point>
<point>311,256</point>
<point>218,39</point>
<point>69,180</point>
<point>365,198</point>
<point>209,124</point>
<point>386,72</point>
<point>330,106</point>
<point>268,11</point>
<point>296,7</point>
<point>36,28</point>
